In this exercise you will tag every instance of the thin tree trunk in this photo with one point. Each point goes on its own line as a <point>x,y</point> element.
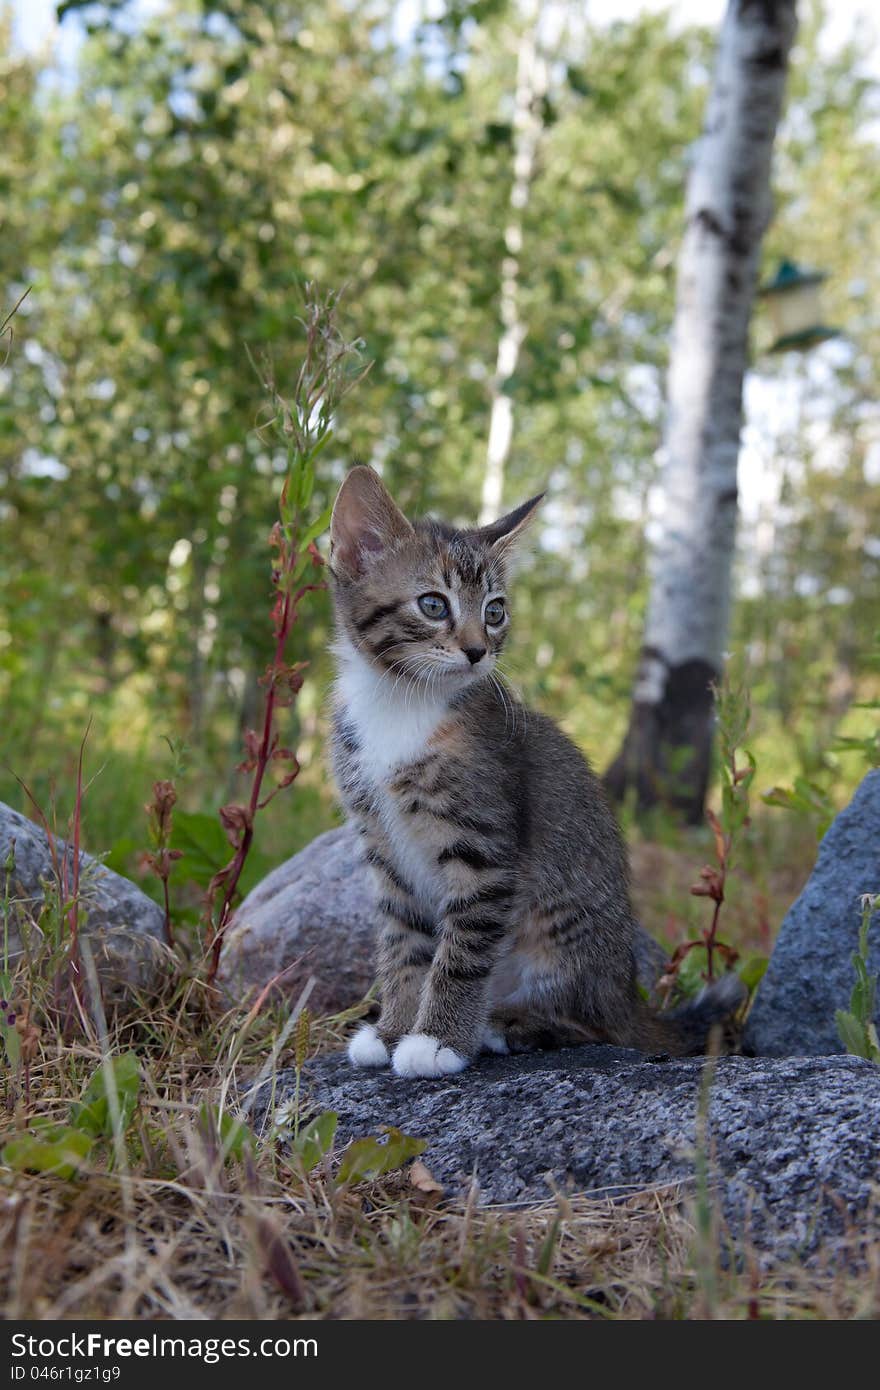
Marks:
<point>195,682</point>
<point>667,749</point>
<point>531,87</point>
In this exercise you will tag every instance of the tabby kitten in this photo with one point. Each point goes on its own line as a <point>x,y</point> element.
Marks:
<point>504,912</point>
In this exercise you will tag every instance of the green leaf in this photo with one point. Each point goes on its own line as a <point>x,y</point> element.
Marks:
<point>119,856</point>
<point>691,975</point>
<point>320,445</point>
<point>312,533</point>
<point>315,1140</point>
<point>207,850</point>
<point>232,1135</point>
<point>56,1149</point>
<point>370,1158</point>
<point>852,1034</point>
<point>862,998</point>
<point>548,1246</point>
<point>204,844</point>
<point>752,970</point>
<point>777,796</point>
<point>306,484</point>
<point>805,799</point>
<point>12,1043</point>
<point>318,527</point>
<point>93,1115</point>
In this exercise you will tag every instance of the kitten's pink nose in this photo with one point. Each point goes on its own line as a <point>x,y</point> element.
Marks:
<point>474,654</point>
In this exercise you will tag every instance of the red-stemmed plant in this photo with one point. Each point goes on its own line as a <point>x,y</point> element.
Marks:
<point>733,713</point>
<point>161,857</point>
<point>303,422</point>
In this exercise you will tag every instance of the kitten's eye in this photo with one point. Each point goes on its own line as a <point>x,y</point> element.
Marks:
<point>494,614</point>
<point>434,606</point>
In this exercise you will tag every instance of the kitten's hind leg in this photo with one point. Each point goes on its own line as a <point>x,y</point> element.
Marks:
<point>494,1040</point>
<point>366,1048</point>
<point>525,1030</point>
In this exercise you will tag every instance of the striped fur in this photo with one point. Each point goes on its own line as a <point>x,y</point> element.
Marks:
<point>501,876</point>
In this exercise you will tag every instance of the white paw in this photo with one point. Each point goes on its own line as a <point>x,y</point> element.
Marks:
<point>367,1049</point>
<point>418,1054</point>
<point>494,1041</point>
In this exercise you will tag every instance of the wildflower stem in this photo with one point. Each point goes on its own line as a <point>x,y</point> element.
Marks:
<point>331,366</point>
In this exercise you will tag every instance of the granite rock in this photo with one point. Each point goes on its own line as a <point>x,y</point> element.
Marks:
<point>810,974</point>
<point>794,1143</point>
<point>124,928</point>
<point>312,916</point>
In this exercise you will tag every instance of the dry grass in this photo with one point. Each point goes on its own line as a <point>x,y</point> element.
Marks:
<point>376,1253</point>
<point>208,1250</point>
<point>163,1228</point>
<point>174,1232</point>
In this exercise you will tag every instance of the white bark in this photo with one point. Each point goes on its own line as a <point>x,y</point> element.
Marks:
<point>531,87</point>
<point>728,207</point>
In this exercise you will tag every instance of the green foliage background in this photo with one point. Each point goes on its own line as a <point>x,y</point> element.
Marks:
<point>167,199</point>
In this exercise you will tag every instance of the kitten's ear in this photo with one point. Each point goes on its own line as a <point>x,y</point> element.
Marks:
<point>365,521</point>
<point>503,532</point>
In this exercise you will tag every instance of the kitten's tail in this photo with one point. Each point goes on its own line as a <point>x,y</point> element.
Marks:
<point>685,1031</point>
<point>682,1032</point>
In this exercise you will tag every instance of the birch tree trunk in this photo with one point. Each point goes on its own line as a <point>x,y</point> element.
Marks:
<point>666,752</point>
<point>531,87</point>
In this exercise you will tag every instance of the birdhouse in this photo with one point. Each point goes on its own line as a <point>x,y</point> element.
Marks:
<point>793,302</point>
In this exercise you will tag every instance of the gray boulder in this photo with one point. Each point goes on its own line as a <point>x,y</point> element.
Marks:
<point>315,913</point>
<point>810,973</point>
<point>123,927</point>
<point>794,1144</point>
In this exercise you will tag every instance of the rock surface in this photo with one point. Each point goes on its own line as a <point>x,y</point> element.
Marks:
<point>795,1143</point>
<point>317,909</point>
<point>314,912</point>
<point>810,973</point>
<point>124,927</point>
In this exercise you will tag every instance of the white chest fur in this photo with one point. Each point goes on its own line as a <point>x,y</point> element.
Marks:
<point>393,726</point>
<point>392,722</point>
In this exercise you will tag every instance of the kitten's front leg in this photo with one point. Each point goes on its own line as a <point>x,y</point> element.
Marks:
<point>451,1021</point>
<point>407,941</point>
